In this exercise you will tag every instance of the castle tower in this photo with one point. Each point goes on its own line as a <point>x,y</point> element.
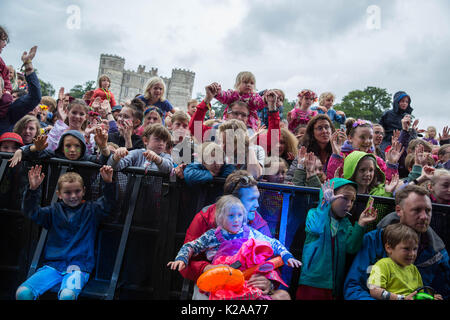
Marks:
<point>179,88</point>
<point>113,67</point>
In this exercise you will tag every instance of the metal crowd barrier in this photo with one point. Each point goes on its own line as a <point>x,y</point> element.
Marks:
<point>136,242</point>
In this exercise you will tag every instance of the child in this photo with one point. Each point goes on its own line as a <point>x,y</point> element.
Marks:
<point>275,169</point>
<point>329,237</point>
<point>396,277</point>
<point>10,142</point>
<point>154,95</point>
<point>244,90</point>
<point>326,100</point>
<point>300,132</point>
<point>231,234</point>
<point>309,171</point>
<point>378,135</point>
<point>183,145</point>
<point>115,111</point>
<point>155,138</point>
<point>192,107</point>
<point>444,157</point>
<point>128,121</point>
<point>151,115</point>
<point>302,112</point>
<point>28,128</point>
<point>104,83</point>
<point>212,165</point>
<point>72,226</point>
<point>360,138</point>
<point>440,186</point>
<point>430,136</point>
<point>75,119</point>
<point>4,70</point>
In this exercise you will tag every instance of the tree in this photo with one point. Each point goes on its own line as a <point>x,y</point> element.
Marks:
<point>78,91</point>
<point>215,105</point>
<point>368,104</point>
<point>46,88</point>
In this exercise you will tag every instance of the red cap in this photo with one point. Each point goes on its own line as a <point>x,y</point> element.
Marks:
<point>11,136</point>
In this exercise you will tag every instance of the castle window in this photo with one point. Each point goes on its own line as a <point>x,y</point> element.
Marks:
<point>128,78</point>
<point>126,91</point>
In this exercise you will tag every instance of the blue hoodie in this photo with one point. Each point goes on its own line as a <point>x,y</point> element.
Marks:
<point>432,262</point>
<point>71,230</point>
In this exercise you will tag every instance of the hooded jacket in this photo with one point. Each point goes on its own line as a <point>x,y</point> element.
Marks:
<point>432,262</point>
<point>392,119</point>
<point>71,230</point>
<point>337,161</point>
<point>59,151</point>
<point>324,267</point>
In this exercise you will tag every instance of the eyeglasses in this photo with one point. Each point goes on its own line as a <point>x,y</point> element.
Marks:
<point>237,113</point>
<point>245,182</point>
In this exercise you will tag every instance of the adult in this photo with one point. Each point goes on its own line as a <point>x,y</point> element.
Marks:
<point>392,119</point>
<point>242,185</point>
<point>412,208</point>
<point>21,106</point>
<point>317,139</point>
<point>155,95</point>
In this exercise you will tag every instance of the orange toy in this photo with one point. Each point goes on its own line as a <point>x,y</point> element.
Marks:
<point>264,267</point>
<point>221,278</point>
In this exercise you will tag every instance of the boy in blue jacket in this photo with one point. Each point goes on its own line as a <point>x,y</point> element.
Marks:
<point>413,208</point>
<point>72,226</point>
<point>329,237</point>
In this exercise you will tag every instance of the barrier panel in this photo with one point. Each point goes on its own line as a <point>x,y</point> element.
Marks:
<point>135,243</point>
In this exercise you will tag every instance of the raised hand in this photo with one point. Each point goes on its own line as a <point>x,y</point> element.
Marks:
<point>96,104</point>
<point>415,127</point>
<point>390,187</point>
<point>310,164</point>
<point>445,134</point>
<point>105,108</point>
<point>101,137</point>
<point>179,170</point>
<point>61,93</point>
<point>16,158</point>
<point>271,97</point>
<point>301,156</point>
<point>420,158</point>
<point>406,122</point>
<point>367,216</point>
<point>328,193</point>
<point>427,173</point>
<point>395,136</point>
<point>107,173</point>
<point>35,177</point>
<point>337,141</point>
<point>28,57</point>
<point>261,128</point>
<point>40,143</point>
<point>394,153</point>
<point>176,265</point>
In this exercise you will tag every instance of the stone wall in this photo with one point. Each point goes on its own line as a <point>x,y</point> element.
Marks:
<point>126,84</point>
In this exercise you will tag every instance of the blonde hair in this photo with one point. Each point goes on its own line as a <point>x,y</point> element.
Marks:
<point>428,129</point>
<point>180,116</point>
<point>192,101</point>
<point>224,205</point>
<point>70,177</point>
<point>439,173</point>
<point>244,76</point>
<point>150,83</point>
<point>324,96</point>
<point>290,141</point>
<point>49,102</point>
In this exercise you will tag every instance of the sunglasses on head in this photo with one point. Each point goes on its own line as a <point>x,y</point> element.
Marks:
<point>245,182</point>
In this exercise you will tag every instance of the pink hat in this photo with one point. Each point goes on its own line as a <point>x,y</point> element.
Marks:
<point>11,136</point>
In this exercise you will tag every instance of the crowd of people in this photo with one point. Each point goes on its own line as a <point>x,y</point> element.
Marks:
<point>315,146</point>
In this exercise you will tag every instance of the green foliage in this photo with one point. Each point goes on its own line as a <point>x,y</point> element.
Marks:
<point>215,105</point>
<point>78,91</point>
<point>46,88</point>
<point>368,104</point>
<point>287,106</point>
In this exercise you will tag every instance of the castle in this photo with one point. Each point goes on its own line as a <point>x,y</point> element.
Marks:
<point>126,84</point>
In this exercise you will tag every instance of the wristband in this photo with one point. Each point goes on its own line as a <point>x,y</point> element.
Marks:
<point>400,297</point>
<point>385,295</point>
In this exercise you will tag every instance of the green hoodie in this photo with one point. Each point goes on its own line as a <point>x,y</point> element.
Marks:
<point>350,164</point>
<point>324,267</point>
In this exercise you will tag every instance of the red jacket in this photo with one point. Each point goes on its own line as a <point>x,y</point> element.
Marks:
<point>202,222</point>
<point>102,94</point>
<point>4,73</point>
<point>198,117</point>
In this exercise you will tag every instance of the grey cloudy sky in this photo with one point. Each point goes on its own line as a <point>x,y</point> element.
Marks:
<point>321,45</point>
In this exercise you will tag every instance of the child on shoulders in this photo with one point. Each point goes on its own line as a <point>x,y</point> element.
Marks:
<point>326,100</point>
<point>302,112</point>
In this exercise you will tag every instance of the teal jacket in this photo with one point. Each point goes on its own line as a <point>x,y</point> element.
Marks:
<point>322,267</point>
